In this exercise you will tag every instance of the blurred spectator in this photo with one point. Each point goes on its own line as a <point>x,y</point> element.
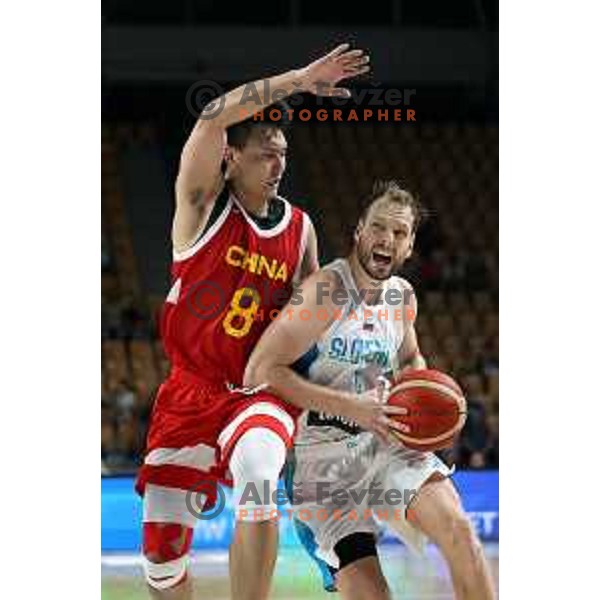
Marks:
<point>145,398</point>
<point>111,319</point>
<point>439,362</point>
<point>493,450</point>
<point>476,344</point>
<point>128,445</point>
<point>135,322</point>
<point>124,400</point>
<point>469,362</point>
<point>476,273</point>
<point>453,272</point>
<point>120,442</point>
<point>475,437</point>
<point>477,460</point>
<point>109,452</point>
<point>106,255</point>
<point>490,362</point>
<point>125,318</point>
<point>431,269</point>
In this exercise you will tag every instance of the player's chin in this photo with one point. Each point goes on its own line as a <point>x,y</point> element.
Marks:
<point>270,188</point>
<point>380,271</point>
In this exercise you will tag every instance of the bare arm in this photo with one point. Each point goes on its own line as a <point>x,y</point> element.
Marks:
<point>291,336</point>
<point>310,260</point>
<point>409,355</point>
<point>199,179</point>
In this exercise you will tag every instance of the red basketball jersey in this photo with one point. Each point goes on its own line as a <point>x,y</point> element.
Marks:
<point>228,286</point>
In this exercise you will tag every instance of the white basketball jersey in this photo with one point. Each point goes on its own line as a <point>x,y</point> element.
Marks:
<point>350,356</point>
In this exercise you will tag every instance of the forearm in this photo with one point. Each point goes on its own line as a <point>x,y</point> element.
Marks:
<point>289,386</point>
<point>237,105</point>
<point>415,361</point>
<point>252,97</point>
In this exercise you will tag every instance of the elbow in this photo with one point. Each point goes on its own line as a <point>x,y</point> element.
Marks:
<point>181,182</point>
<point>255,373</point>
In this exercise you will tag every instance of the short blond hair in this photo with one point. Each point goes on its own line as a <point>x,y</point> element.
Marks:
<point>392,190</point>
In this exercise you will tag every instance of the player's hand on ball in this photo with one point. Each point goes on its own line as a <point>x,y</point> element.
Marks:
<point>321,76</point>
<point>371,414</point>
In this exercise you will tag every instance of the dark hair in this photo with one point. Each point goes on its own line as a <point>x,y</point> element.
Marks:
<point>395,192</point>
<point>239,134</point>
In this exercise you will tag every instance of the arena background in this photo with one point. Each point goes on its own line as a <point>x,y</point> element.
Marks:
<point>154,56</point>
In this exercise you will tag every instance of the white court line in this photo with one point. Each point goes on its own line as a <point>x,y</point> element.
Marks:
<point>222,557</point>
<point>134,560</point>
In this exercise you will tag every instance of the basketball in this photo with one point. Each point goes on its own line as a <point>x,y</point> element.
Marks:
<point>437,409</point>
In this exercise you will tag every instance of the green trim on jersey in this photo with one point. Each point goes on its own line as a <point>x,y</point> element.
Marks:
<point>274,215</point>
<point>217,209</point>
<point>272,219</point>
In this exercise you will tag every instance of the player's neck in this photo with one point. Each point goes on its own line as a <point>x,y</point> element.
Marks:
<point>364,281</point>
<point>257,205</point>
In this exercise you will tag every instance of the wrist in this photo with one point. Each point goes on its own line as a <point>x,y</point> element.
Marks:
<point>348,404</point>
<point>301,79</point>
<point>339,404</point>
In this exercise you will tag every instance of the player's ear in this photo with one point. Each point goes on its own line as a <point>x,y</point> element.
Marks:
<point>358,231</point>
<point>411,245</point>
<point>230,156</point>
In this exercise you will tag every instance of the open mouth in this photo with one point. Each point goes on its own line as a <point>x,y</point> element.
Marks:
<point>272,182</point>
<point>382,259</point>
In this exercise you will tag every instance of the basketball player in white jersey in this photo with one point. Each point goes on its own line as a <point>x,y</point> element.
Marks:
<point>359,330</point>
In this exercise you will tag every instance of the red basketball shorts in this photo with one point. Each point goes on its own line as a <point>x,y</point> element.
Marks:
<point>194,427</point>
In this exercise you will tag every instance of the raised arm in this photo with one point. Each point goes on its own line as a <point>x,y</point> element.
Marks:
<point>200,179</point>
<point>293,334</point>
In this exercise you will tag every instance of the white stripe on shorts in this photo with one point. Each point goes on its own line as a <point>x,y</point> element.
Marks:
<point>260,408</point>
<point>200,457</point>
<point>167,505</point>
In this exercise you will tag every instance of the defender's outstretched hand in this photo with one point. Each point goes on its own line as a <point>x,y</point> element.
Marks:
<point>321,76</point>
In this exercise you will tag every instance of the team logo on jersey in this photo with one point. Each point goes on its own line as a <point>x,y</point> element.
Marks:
<point>360,351</point>
<point>256,263</point>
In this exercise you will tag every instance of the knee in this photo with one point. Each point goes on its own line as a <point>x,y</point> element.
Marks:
<point>165,554</point>
<point>251,470</point>
<point>256,464</point>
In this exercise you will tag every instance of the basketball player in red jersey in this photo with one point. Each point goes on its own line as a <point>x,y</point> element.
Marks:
<point>238,248</point>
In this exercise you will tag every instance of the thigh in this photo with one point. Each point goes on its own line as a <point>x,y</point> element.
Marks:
<point>245,411</point>
<point>181,446</point>
<point>332,502</point>
<point>403,478</point>
<point>436,507</point>
<point>163,504</point>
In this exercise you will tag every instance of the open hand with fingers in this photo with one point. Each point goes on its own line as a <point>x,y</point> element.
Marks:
<point>371,413</point>
<point>322,76</point>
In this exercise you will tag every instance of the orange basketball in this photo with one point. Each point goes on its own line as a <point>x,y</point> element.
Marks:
<point>437,409</point>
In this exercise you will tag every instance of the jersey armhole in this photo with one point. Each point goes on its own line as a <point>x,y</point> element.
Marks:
<point>407,289</point>
<point>344,310</point>
<point>302,250</point>
<point>218,214</point>
<point>216,210</point>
